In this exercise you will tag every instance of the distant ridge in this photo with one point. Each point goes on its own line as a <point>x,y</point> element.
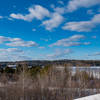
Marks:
<point>61,62</point>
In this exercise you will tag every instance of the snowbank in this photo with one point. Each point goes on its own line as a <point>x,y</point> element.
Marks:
<point>93,97</point>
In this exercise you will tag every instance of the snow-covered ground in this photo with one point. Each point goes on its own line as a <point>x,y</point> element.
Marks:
<point>92,97</point>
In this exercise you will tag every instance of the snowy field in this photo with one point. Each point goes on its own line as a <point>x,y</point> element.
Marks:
<point>93,97</point>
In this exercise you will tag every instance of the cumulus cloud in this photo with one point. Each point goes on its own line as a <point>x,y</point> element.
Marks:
<point>13,57</point>
<point>13,54</point>
<point>10,54</point>
<point>10,50</point>
<point>1,17</point>
<point>59,53</point>
<point>97,54</point>
<point>4,39</point>
<point>33,29</point>
<point>94,54</point>
<point>16,42</point>
<point>41,47</point>
<point>55,20</point>
<point>75,4</point>
<point>36,12</point>
<point>60,10</point>
<point>83,26</point>
<point>61,2</point>
<point>86,43</point>
<point>22,43</point>
<point>71,41</point>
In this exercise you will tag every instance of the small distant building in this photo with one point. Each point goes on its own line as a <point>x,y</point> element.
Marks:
<point>12,66</point>
<point>29,66</point>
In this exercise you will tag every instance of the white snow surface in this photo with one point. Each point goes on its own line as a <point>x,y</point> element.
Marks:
<point>92,97</point>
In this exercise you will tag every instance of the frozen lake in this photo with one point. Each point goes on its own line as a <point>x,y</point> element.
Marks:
<point>95,70</point>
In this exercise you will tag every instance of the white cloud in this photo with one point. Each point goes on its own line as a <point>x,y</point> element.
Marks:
<point>13,57</point>
<point>60,10</point>
<point>59,53</point>
<point>61,2</point>
<point>21,58</point>
<point>16,42</point>
<point>86,43</point>
<point>94,54</point>
<point>66,44</point>
<point>96,19</point>
<point>13,54</point>
<point>37,12</point>
<point>10,50</point>
<point>1,17</point>
<point>41,47</point>
<point>97,54</point>
<point>54,22</point>
<point>75,4</point>
<point>4,39</point>
<point>22,43</point>
<point>83,26</point>
<point>10,54</point>
<point>33,29</point>
<point>71,41</point>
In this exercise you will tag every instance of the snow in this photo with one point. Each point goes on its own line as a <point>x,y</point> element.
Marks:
<point>92,97</point>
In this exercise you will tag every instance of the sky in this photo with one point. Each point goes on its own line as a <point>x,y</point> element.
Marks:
<point>49,29</point>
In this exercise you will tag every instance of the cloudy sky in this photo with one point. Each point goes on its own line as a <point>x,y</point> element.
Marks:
<point>49,29</point>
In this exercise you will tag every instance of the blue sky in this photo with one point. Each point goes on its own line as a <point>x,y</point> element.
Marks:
<point>54,29</point>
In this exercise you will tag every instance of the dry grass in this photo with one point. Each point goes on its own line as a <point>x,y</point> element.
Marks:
<point>54,84</point>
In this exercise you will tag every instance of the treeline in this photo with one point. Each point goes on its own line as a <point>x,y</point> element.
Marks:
<point>46,83</point>
<point>56,62</point>
<point>12,73</point>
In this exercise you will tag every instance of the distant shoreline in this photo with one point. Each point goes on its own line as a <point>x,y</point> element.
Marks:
<point>56,62</point>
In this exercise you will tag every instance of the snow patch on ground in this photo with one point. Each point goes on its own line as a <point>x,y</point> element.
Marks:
<point>93,97</point>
